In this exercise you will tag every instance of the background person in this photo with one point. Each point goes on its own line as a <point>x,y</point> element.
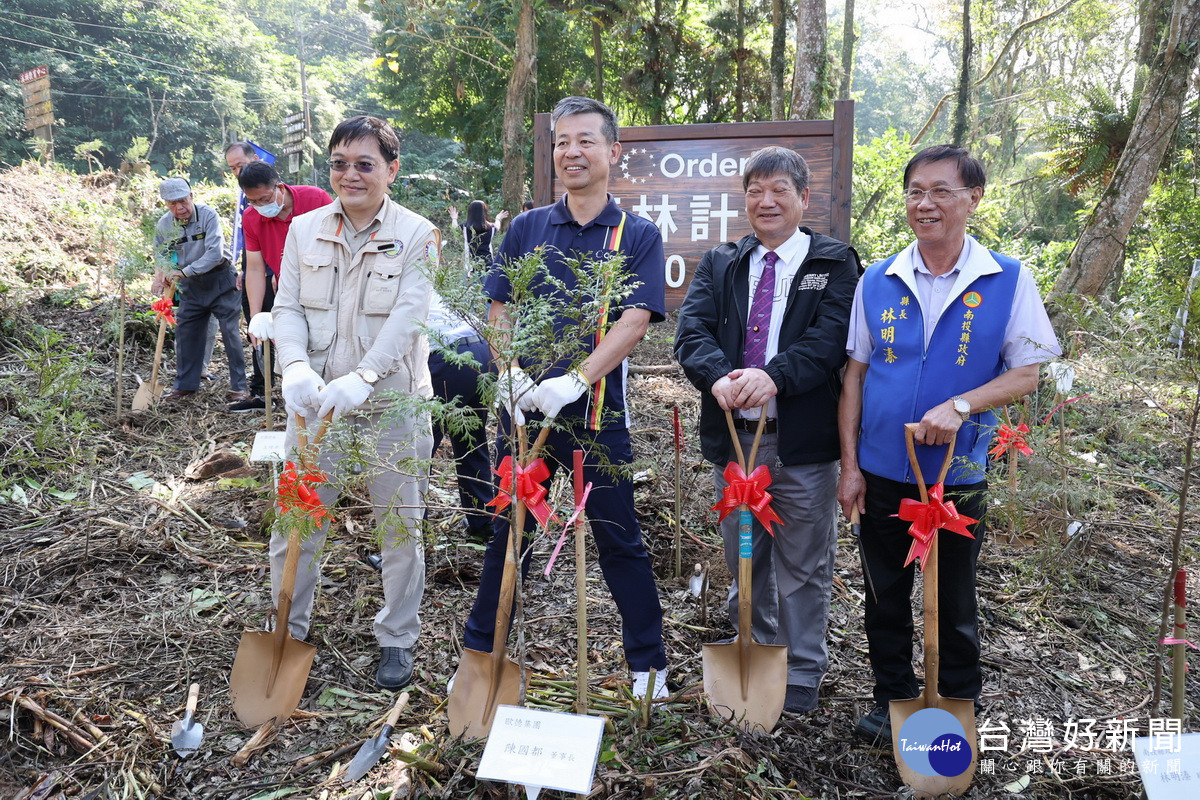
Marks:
<point>271,207</point>
<point>190,237</point>
<point>478,230</point>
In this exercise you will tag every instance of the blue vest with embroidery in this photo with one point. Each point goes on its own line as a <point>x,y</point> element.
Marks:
<point>905,379</point>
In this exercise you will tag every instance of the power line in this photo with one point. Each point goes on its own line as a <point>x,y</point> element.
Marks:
<point>91,24</point>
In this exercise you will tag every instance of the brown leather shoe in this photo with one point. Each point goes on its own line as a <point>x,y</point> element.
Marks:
<point>237,397</point>
<point>178,395</point>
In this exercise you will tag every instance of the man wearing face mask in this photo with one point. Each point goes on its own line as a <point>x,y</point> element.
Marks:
<point>272,205</point>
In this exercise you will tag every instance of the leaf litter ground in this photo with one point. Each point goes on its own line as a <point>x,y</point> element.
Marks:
<point>114,600</point>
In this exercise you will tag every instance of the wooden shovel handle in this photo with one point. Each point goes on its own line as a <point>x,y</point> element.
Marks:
<point>193,699</point>
<point>397,709</point>
<point>910,430</point>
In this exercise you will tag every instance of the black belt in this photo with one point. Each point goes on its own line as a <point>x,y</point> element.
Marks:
<point>751,425</point>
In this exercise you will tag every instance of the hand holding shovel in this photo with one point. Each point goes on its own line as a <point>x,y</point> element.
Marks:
<point>149,391</point>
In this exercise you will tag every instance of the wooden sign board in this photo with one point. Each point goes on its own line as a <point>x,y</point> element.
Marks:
<point>31,75</point>
<point>687,179</point>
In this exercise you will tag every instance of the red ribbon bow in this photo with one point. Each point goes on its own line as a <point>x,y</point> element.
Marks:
<point>296,493</point>
<point>529,487</point>
<point>164,309</point>
<point>927,518</point>
<point>1008,437</point>
<point>751,491</point>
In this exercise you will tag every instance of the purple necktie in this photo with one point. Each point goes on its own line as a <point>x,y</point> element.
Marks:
<point>758,325</point>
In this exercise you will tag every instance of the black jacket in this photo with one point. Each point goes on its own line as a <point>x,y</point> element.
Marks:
<point>709,344</point>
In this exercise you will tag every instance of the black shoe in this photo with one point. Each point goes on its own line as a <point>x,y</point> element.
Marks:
<point>800,699</point>
<point>249,404</point>
<point>395,668</point>
<point>875,727</point>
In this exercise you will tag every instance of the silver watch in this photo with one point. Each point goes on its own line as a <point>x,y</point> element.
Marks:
<point>962,407</point>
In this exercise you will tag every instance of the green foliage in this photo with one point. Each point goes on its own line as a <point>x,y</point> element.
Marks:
<point>193,73</point>
<point>879,224</point>
<point>44,411</point>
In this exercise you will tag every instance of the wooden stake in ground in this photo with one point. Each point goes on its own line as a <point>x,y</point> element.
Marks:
<point>1179,659</point>
<point>581,648</point>
<point>678,494</point>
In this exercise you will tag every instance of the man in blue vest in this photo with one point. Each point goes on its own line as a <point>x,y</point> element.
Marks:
<point>941,334</point>
<point>761,331</point>
<point>589,398</point>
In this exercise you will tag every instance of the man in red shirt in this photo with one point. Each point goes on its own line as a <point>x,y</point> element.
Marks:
<point>272,207</point>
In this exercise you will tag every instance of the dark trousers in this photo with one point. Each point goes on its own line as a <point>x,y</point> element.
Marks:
<point>191,331</point>
<point>261,364</point>
<point>623,558</point>
<point>471,461</point>
<point>889,618</point>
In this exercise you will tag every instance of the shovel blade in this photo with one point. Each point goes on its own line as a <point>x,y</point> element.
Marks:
<point>255,701</point>
<point>933,786</point>
<point>367,756</point>
<point>186,735</point>
<point>145,396</point>
<point>759,707</point>
<point>481,683</point>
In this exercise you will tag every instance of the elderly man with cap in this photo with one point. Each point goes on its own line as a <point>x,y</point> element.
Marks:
<point>188,237</point>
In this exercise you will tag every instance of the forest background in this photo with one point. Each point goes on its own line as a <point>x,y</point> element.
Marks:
<point>1046,93</point>
<point>1084,111</point>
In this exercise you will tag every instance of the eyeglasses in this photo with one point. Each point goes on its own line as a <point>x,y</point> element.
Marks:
<point>337,165</point>
<point>265,200</point>
<point>938,194</point>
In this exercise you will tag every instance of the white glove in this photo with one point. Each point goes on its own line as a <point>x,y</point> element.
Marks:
<point>261,326</point>
<point>343,395</point>
<point>514,393</point>
<point>553,393</point>
<point>301,389</point>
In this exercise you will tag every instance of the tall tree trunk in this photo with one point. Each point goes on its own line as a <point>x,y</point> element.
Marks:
<point>655,65</point>
<point>739,57</point>
<point>516,101</point>
<point>962,104</point>
<point>598,58</point>
<point>847,52</point>
<point>1101,244</point>
<point>808,81</point>
<point>778,52</point>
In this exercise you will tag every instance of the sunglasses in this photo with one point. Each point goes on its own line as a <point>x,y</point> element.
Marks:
<point>337,165</point>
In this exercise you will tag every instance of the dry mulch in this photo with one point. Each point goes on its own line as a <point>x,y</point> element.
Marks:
<point>113,602</point>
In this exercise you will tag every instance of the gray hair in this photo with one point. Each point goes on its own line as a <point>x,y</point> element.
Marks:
<point>772,161</point>
<point>570,106</point>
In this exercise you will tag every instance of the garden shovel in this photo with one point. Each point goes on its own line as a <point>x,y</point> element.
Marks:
<point>486,680</point>
<point>930,786</point>
<point>271,668</point>
<point>149,391</point>
<point>746,681</point>
<point>186,734</point>
<point>373,749</point>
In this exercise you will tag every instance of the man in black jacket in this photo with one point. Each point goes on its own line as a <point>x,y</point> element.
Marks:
<point>762,331</point>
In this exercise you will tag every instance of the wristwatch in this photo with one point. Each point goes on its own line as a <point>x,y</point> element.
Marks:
<point>962,407</point>
<point>367,374</point>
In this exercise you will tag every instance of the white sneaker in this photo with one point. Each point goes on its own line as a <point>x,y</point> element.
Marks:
<point>641,682</point>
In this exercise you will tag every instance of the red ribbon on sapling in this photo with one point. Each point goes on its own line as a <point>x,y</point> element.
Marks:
<point>296,493</point>
<point>1008,437</point>
<point>164,310</point>
<point>529,488</point>
<point>927,518</point>
<point>748,490</point>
